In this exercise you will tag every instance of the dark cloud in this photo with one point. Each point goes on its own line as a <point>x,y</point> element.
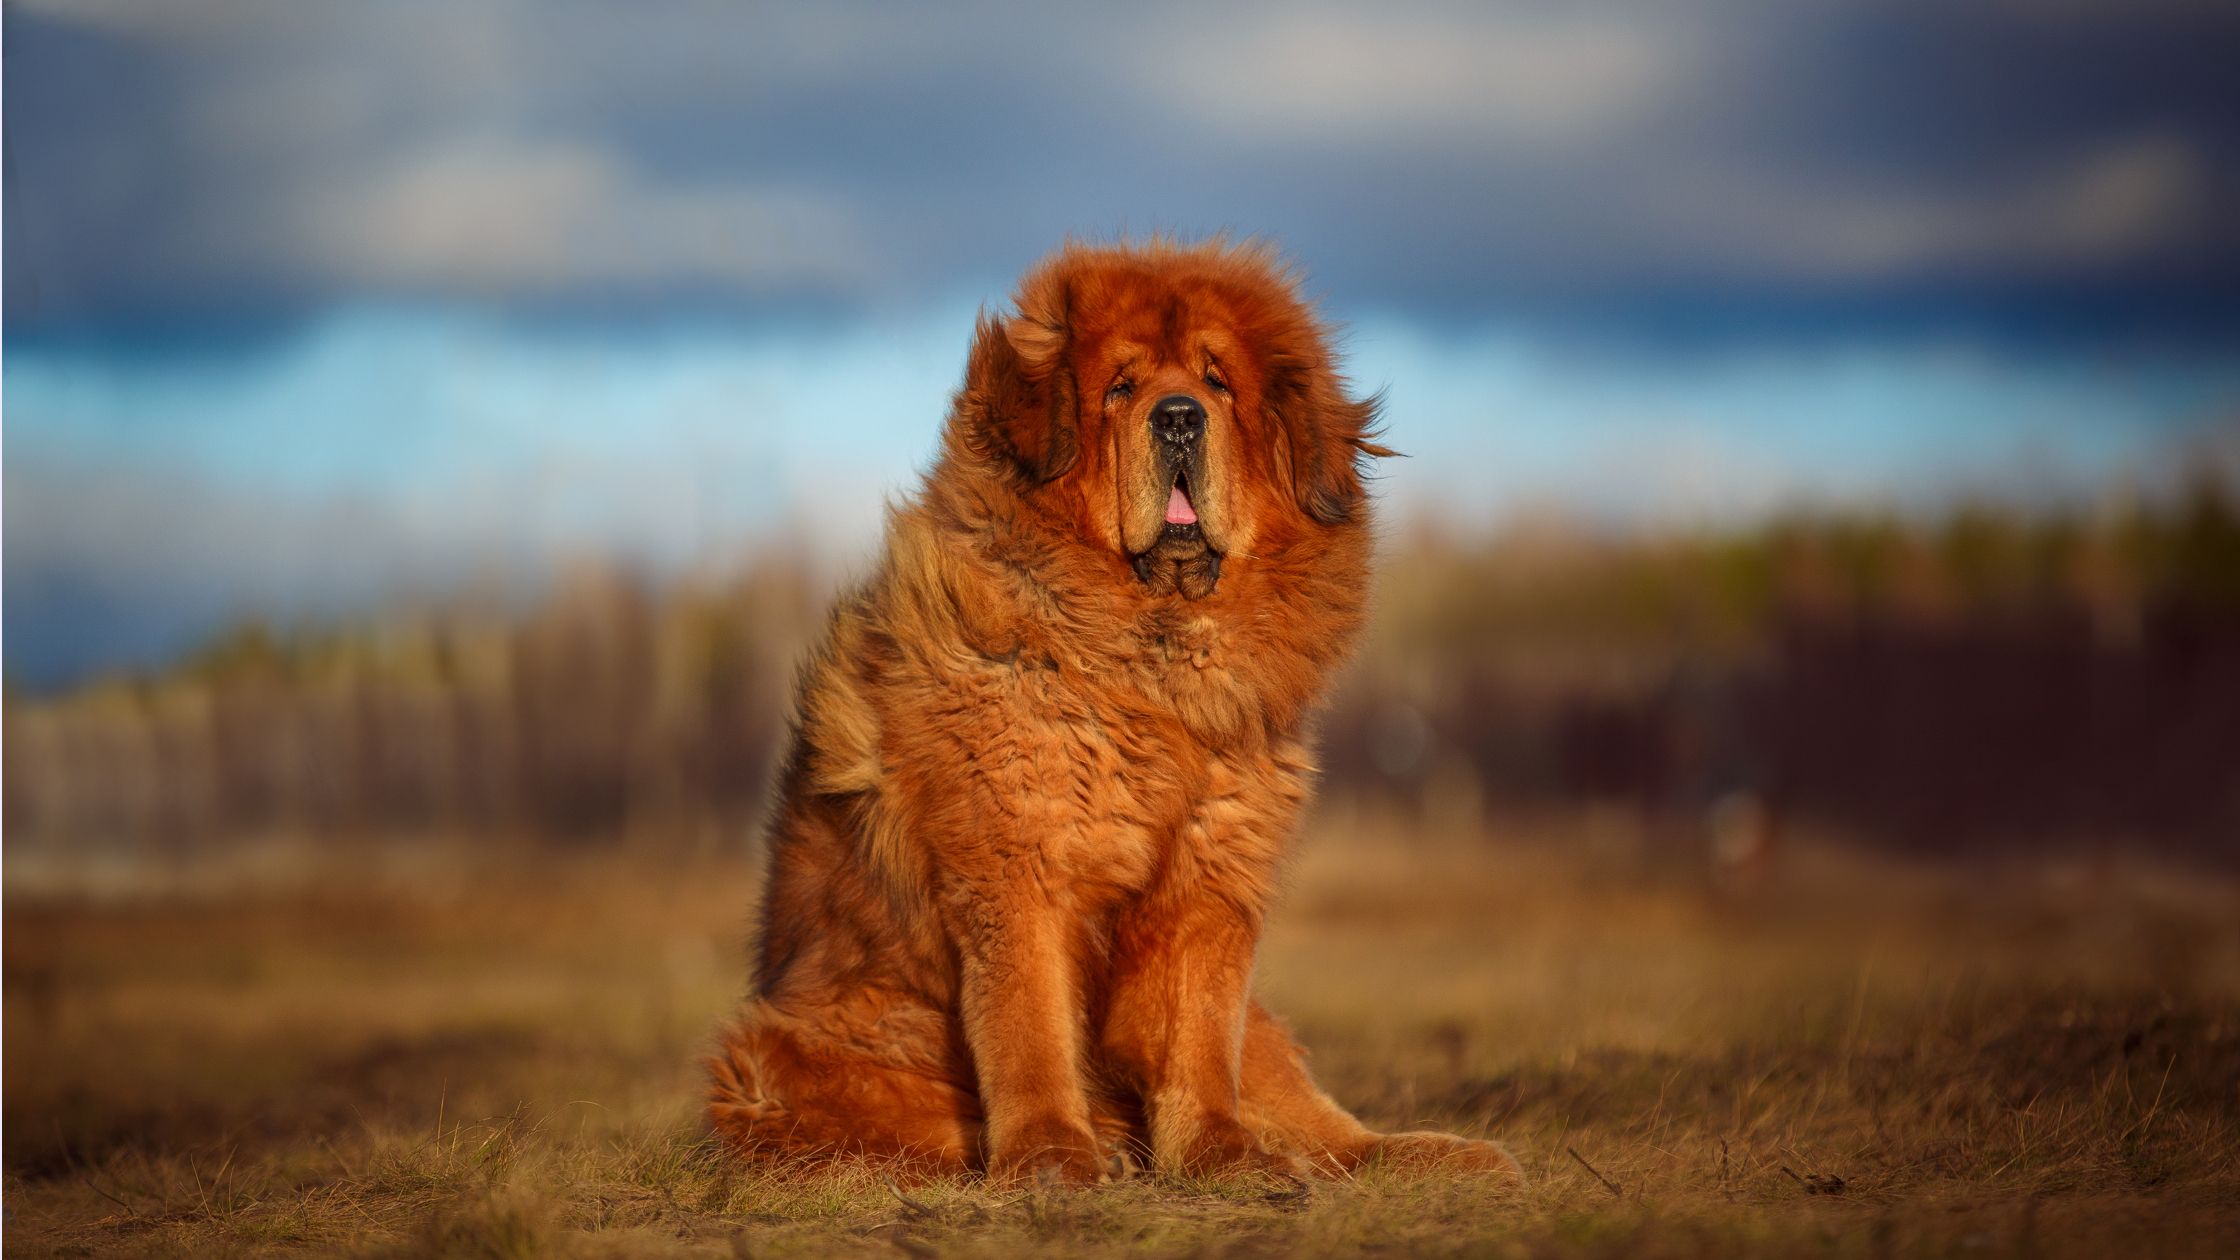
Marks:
<point>2062,167</point>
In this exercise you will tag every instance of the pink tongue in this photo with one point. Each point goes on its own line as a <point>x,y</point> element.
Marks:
<point>1179,511</point>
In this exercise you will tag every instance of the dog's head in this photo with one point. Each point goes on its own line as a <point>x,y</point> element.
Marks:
<point>1176,405</point>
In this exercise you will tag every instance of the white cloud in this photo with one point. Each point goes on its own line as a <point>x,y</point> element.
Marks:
<point>500,216</point>
<point>1550,76</point>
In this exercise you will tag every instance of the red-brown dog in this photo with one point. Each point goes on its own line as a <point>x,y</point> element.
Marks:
<point>1048,758</point>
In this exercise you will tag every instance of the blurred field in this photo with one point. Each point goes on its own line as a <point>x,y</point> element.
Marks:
<point>431,1054</point>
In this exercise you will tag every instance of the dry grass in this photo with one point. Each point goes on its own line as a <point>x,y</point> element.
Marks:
<point>437,1060</point>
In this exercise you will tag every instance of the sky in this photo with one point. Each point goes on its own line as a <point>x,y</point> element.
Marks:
<point>312,307</point>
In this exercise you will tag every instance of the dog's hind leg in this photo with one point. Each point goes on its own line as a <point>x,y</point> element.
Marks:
<point>782,1087</point>
<point>1279,1101</point>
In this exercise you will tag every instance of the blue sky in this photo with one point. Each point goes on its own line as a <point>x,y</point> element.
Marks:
<point>310,307</point>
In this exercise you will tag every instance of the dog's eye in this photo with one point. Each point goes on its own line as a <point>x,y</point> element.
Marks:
<point>1121,391</point>
<point>1213,378</point>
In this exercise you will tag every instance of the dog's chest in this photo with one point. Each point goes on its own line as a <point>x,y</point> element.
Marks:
<point>1132,790</point>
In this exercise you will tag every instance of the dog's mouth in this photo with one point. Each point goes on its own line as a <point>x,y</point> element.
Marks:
<point>1180,560</point>
<point>1181,512</point>
<point>1181,523</point>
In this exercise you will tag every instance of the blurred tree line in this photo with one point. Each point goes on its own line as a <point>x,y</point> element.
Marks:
<point>1984,678</point>
<point>609,711</point>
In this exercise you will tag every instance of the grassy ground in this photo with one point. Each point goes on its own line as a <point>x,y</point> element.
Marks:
<point>1856,1060</point>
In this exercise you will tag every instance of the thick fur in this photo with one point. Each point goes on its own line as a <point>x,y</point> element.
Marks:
<point>1047,759</point>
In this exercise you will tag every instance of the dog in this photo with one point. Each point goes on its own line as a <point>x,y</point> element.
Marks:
<point>1046,760</point>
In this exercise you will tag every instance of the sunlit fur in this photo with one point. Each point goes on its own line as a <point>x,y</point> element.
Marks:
<point>1046,763</point>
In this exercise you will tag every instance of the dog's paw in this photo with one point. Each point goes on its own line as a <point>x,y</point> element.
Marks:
<point>1227,1150</point>
<point>1051,1154</point>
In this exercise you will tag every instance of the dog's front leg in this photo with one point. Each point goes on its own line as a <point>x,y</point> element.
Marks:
<point>1176,1026</point>
<point>1021,1010</point>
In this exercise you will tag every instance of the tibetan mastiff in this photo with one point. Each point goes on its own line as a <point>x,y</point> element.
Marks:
<point>1046,760</point>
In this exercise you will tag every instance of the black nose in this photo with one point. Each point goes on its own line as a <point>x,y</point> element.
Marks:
<point>1178,419</point>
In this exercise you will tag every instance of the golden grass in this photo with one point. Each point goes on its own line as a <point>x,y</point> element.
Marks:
<point>459,1059</point>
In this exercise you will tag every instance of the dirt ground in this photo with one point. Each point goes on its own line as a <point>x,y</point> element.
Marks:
<point>418,1055</point>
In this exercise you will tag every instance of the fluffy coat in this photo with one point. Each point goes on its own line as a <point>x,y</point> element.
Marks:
<point>1047,759</point>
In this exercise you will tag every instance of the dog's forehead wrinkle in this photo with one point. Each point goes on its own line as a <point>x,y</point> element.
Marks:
<point>1174,329</point>
<point>1122,354</point>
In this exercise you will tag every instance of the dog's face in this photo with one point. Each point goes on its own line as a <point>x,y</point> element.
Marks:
<point>1174,405</point>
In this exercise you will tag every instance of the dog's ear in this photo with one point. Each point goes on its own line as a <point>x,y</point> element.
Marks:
<point>1326,435</point>
<point>1018,398</point>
